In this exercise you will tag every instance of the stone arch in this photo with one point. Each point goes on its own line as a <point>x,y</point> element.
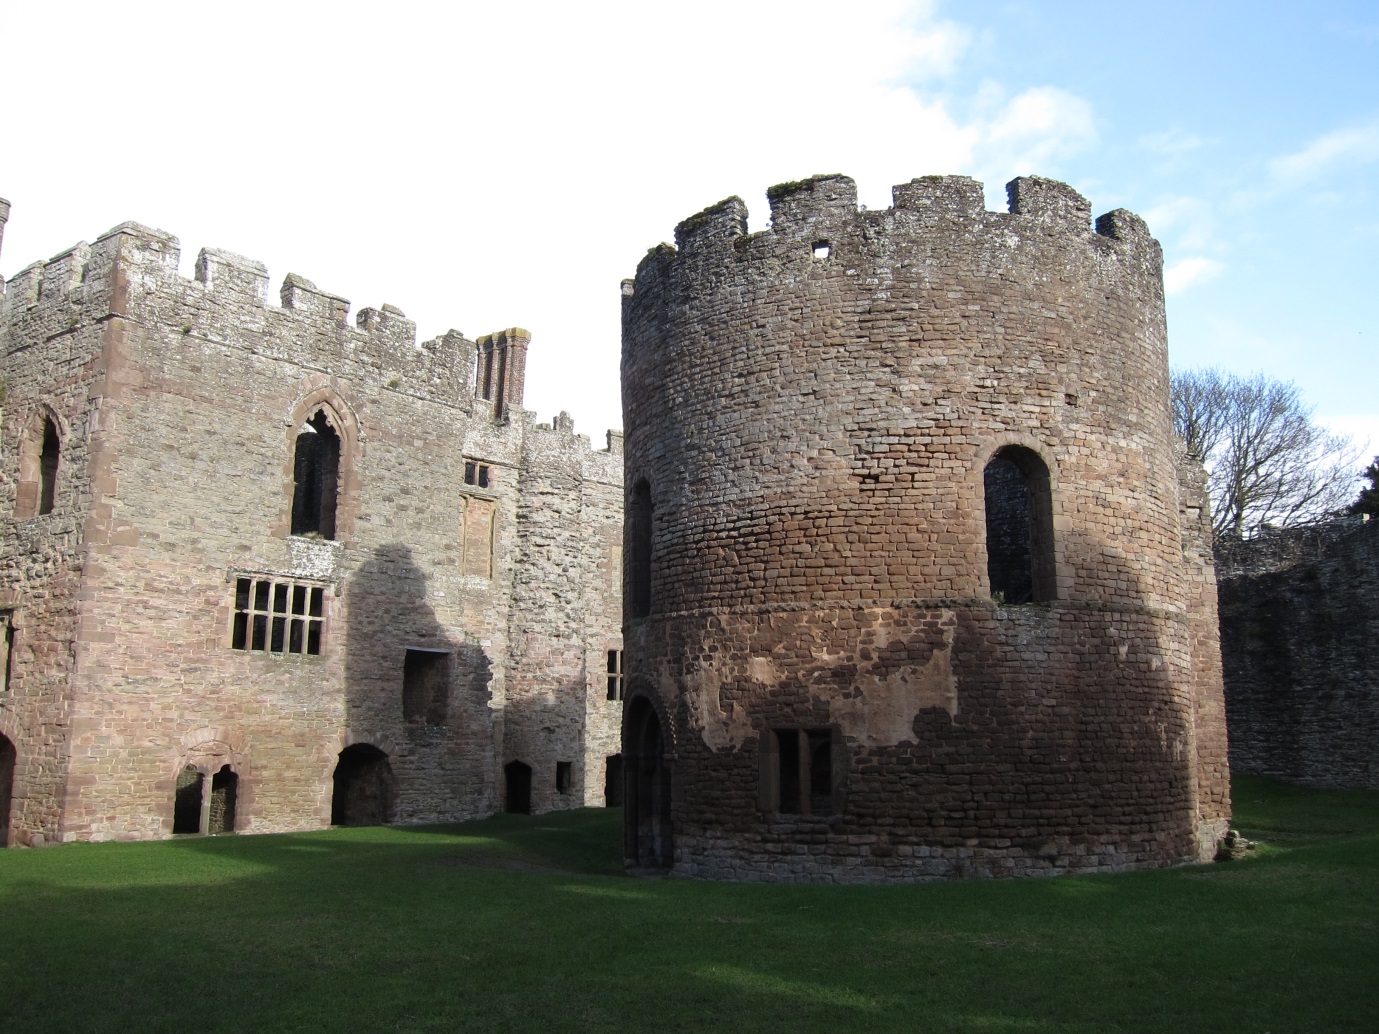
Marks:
<point>324,448</point>
<point>41,444</point>
<point>210,790</point>
<point>365,789</point>
<point>648,834</point>
<point>9,758</point>
<point>1017,487</point>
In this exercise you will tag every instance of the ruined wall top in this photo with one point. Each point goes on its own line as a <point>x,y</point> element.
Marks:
<point>822,208</point>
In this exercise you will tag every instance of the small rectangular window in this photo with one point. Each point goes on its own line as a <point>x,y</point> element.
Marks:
<point>476,473</point>
<point>272,615</point>
<point>563,772</point>
<point>798,772</point>
<point>426,686</point>
<point>614,674</point>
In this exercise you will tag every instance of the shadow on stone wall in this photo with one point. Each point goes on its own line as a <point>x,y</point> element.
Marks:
<point>418,729</point>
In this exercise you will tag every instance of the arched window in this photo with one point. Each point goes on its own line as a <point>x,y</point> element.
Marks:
<point>637,569</point>
<point>1019,527</point>
<point>47,468</point>
<point>40,453</point>
<point>316,477</point>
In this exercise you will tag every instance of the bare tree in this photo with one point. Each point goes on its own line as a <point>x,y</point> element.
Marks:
<point>1267,461</point>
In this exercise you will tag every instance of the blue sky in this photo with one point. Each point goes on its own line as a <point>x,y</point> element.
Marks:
<point>484,166</point>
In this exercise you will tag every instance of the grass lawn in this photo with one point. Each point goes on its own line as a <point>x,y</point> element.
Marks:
<point>527,924</point>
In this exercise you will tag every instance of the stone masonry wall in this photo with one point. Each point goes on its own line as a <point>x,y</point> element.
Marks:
<point>813,409</point>
<point>1299,620</point>
<point>183,400</point>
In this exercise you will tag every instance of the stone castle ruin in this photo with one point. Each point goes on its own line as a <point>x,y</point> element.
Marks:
<point>263,570</point>
<point>916,582</point>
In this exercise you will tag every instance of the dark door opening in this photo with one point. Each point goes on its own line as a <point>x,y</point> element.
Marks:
<point>612,781</point>
<point>517,777</point>
<point>8,757</point>
<point>186,804</point>
<point>224,791</point>
<point>365,790</point>
<point>647,833</point>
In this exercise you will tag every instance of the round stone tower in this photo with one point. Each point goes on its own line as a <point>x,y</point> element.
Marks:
<point>911,587</point>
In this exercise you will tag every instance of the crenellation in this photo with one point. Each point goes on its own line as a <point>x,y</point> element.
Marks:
<point>1055,206</point>
<point>234,274</point>
<point>302,296</point>
<point>941,198</point>
<point>716,225</point>
<point>803,206</point>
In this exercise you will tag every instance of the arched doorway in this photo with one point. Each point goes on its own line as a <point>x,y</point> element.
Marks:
<point>365,790</point>
<point>647,835</point>
<point>8,755</point>
<point>224,791</point>
<point>186,802</point>
<point>517,779</point>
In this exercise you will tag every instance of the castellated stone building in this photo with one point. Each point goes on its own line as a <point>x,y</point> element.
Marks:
<point>263,570</point>
<point>916,583</point>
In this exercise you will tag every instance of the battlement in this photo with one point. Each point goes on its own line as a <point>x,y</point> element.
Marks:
<point>812,217</point>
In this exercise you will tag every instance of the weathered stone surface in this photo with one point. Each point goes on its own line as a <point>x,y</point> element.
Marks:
<point>178,404</point>
<point>1299,623</point>
<point>821,685</point>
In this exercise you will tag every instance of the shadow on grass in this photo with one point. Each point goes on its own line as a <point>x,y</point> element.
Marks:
<point>524,923</point>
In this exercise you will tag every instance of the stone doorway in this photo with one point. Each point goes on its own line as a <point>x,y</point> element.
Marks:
<point>8,756</point>
<point>517,777</point>
<point>647,833</point>
<point>365,792</point>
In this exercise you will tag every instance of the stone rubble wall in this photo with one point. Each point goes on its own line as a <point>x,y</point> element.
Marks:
<point>1299,620</point>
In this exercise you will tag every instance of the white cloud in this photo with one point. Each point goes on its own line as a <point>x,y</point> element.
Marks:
<point>1034,130</point>
<point>481,166</point>
<point>1357,145</point>
<point>1172,143</point>
<point>1190,220</point>
<point>1188,272</point>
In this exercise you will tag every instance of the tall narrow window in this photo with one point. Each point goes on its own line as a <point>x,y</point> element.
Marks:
<point>40,454</point>
<point>564,776</point>
<point>614,674</point>
<point>637,572</point>
<point>1019,527</point>
<point>6,648</point>
<point>47,466</point>
<point>316,478</point>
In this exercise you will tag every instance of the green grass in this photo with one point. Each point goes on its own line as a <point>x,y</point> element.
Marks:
<point>527,924</point>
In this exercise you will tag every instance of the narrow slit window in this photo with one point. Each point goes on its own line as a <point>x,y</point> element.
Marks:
<point>637,570</point>
<point>614,674</point>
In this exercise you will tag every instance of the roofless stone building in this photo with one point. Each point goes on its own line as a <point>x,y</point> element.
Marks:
<point>915,581</point>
